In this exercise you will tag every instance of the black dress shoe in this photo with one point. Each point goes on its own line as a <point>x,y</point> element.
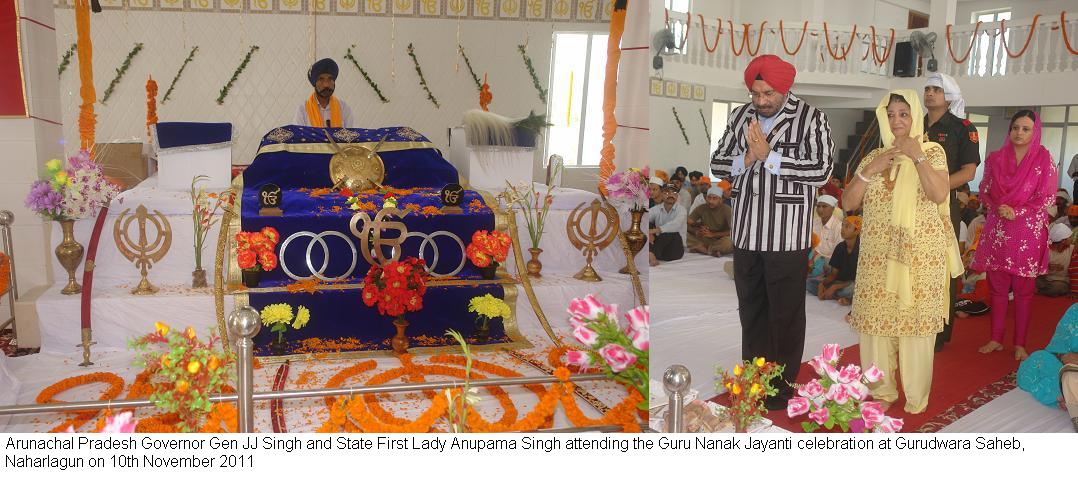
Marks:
<point>775,403</point>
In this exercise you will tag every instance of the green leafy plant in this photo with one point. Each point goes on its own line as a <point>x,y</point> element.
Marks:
<point>66,59</point>
<point>704,121</point>
<point>190,56</point>
<point>422,80</point>
<point>235,75</point>
<point>531,71</point>
<point>468,396</point>
<point>468,63</point>
<point>121,71</point>
<point>366,76</point>
<point>680,125</point>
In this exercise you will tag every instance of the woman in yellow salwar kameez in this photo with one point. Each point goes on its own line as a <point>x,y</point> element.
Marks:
<point>908,252</point>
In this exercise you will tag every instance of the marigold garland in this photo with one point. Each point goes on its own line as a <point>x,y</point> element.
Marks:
<point>66,59</point>
<point>468,63</point>
<point>120,72</point>
<point>680,125</point>
<point>422,80</point>
<point>782,38</point>
<point>87,92</point>
<point>366,77</point>
<point>1062,30</point>
<point>950,48</point>
<point>703,34</point>
<point>531,71</point>
<point>151,104</point>
<point>1029,37</point>
<point>190,56</point>
<point>880,60</point>
<point>5,273</point>
<point>235,75</point>
<point>745,39</point>
<point>47,396</point>
<point>849,46</point>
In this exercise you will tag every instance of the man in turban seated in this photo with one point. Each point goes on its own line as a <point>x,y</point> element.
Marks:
<point>323,109</point>
<point>776,152</point>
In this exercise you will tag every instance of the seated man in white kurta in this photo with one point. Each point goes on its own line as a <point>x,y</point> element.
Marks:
<point>323,109</point>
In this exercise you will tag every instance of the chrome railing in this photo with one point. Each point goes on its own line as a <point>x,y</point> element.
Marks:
<point>243,324</point>
<point>676,381</point>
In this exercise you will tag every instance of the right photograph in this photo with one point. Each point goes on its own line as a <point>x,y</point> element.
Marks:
<point>862,217</point>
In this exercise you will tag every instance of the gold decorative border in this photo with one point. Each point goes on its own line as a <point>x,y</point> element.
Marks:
<point>329,149</point>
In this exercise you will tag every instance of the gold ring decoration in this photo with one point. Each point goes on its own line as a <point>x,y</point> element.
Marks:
<point>755,140</point>
<point>356,167</point>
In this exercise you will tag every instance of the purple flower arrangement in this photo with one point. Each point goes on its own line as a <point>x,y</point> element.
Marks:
<point>630,188</point>
<point>71,192</point>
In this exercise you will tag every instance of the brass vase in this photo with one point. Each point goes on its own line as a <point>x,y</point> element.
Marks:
<point>69,253</point>
<point>400,341</point>
<point>634,236</point>
<point>198,279</point>
<point>534,266</point>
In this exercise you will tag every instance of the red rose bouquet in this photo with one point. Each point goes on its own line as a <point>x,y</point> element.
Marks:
<point>488,248</point>
<point>397,287</point>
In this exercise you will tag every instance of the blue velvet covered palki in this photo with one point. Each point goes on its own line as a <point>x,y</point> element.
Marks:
<point>317,241</point>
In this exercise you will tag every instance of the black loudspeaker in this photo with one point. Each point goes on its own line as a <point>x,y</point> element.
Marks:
<point>905,60</point>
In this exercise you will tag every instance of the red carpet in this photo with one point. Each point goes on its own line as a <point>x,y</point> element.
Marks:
<point>963,379</point>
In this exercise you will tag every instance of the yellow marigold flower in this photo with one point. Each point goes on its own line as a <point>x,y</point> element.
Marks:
<point>303,315</point>
<point>760,362</point>
<point>276,313</point>
<point>489,306</point>
<point>181,386</point>
<point>162,328</point>
<point>165,361</point>
<point>736,390</point>
<point>755,389</point>
<point>193,367</point>
<point>54,165</point>
<point>737,370</point>
<point>191,333</point>
<point>61,177</point>
<point>214,363</point>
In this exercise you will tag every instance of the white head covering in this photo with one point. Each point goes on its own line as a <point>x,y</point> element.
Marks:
<point>827,199</point>
<point>716,190</point>
<point>1059,232</point>
<point>951,92</point>
<point>1064,194</point>
<point>655,180</point>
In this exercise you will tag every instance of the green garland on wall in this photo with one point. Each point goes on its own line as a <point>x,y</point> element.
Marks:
<point>66,59</point>
<point>680,126</point>
<point>366,76</point>
<point>531,70</point>
<point>478,85</point>
<point>235,75</point>
<point>704,120</point>
<point>120,72</point>
<point>422,80</point>
<point>177,78</point>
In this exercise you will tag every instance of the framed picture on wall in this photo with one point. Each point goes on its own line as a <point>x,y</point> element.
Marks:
<point>699,92</point>
<point>656,87</point>
<point>686,91</point>
<point>671,89</point>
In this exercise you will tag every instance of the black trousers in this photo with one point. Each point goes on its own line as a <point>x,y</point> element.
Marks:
<point>771,303</point>
<point>945,336</point>
<point>668,246</point>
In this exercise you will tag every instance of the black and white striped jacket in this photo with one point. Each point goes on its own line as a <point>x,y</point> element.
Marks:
<point>774,212</point>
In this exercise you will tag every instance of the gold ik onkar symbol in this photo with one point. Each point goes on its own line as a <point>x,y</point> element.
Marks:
<point>594,239</point>
<point>372,248</point>
<point>142,252</point>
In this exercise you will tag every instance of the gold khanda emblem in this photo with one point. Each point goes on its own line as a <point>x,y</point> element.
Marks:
<point>372,247</point>
<point>356,167</point>
<point>593,239</point>
<point>141,251</point>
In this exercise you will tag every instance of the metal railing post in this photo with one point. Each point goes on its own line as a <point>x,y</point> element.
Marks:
<point>676,382</point>
<point>243,324</point>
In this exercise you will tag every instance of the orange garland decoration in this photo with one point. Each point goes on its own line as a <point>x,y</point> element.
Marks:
<point>5,273</point>
<point>745,39</point>
<point>887,53</point>
<point>1003,36</point>
<point>87,119</point>
<point>849,46</point>
<point>1063,29</point>
<point>151,104</point>
<point>610,95</point>
<point>115,383</point>
<point>703,35</point>
<point>782,37</point>
<point>950,49</point>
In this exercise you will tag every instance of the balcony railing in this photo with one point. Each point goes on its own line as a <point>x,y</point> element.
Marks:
<point>998,48</point>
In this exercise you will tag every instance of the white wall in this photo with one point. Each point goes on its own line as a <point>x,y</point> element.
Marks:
<point>268,93</point>
<point>1023,9</point>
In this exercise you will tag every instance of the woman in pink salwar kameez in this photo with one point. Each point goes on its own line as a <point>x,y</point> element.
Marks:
<point>1020,181</point>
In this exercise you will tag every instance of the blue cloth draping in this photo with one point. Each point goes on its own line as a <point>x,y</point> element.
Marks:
<point>1039,374</point>
<point>339,316</point>
<point>182,134</point>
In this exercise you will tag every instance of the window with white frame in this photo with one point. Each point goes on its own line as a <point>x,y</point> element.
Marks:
<point>988,55</point>
<point>575,106</point>
<point>720,114</point>
<point>677,9</point>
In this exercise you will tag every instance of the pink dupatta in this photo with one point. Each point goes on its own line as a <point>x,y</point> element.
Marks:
<point>1015,184</point>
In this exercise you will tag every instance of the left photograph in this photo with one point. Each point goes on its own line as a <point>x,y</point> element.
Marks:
<point>324,216</point>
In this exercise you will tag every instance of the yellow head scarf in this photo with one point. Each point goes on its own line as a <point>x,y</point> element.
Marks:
<point>904,203</point>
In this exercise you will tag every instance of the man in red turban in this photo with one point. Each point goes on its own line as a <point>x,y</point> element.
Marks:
<point>776,153</point>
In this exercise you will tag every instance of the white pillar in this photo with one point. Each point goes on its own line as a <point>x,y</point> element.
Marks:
<point>942,13</point>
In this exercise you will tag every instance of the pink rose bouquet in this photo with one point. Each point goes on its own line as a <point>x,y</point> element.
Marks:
<point>629,188</point>
<point>622,354</point>
<point>838,396</point>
